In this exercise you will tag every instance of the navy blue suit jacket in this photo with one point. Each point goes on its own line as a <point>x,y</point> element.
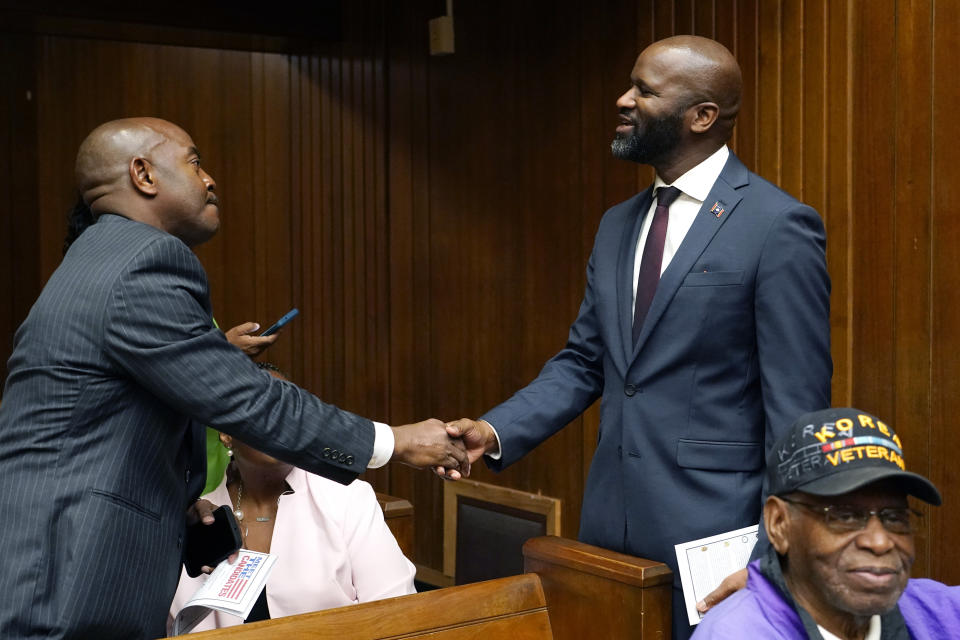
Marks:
<point>735,347</point>
<point>101,451</point>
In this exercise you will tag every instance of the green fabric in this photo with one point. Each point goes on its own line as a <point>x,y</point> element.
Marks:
<point>217,460</point>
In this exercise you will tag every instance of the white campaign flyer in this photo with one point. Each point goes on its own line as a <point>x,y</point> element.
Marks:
<point>231,588</point>
<point>704,563</point>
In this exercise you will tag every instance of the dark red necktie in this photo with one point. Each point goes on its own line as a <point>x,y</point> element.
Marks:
<point>652,258</point>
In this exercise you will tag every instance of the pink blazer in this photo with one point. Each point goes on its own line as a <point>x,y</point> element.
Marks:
<point>333,548</point>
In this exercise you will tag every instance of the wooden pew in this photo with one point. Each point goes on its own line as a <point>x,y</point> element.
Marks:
<point>511,607</point>
<point>597,593</point>
<point>398,514</point>
<point>575,591</point>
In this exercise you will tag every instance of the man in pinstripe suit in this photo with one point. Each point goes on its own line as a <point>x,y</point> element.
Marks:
<point>112,374</point>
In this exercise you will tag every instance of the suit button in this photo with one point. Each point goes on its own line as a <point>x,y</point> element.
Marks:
<point>629,390</point>
<point>342,458</point>
<point>349,460</point>
<point>326,452</point>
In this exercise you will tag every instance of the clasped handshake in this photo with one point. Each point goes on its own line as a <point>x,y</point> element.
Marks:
<point>447,448</point>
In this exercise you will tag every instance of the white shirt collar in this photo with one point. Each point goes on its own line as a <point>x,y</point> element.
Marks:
<point>698,181</point>
<point>873,632</point>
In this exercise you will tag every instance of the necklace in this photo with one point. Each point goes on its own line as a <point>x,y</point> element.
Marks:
<point>238,512</point>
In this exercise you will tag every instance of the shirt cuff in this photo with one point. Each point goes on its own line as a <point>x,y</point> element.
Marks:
<point>494,455</point>
<point>382,446</point>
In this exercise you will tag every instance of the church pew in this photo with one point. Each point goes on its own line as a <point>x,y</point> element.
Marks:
<point>597,593</point>
<point>511,607</point>
<point>571,591</point>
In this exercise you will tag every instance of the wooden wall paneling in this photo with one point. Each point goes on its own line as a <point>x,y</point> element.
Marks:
<point>553,262</point>
<point>684,15</point>
<point>704,18</point>
<point>595,109</point>
<point>812,128</point>
<point>475,226</point>
<point>335,242</point>
<point>791,114</point>
<point>912,239</point>
<point>375,311</point>
<point>405,87</point>
<point>413,367</point>
<point>725,24</point>
<point>874,182</point>
<point>272,231</point>
<point>225,137</point>
<point>945,339</point>
<point>663,14</point>
<point>838,209</point>
<point>746,136</point>
<point>326,252</point>
<point>19,278</point>
<point>769,89</point>
<point>303,175</point>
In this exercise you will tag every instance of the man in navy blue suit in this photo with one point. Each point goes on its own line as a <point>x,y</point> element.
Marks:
<point>704,326</point>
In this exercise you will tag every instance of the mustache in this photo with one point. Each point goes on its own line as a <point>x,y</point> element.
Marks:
<point>213,199</point>
<point>626,118</point>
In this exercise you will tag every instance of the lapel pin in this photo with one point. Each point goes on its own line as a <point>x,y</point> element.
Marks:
<point>717,208</point>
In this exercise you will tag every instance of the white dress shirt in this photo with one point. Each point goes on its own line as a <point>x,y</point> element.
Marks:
<point>694,187</point>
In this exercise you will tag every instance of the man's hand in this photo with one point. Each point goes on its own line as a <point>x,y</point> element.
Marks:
<point>478,438</point>
<point>241,336</point>
<point>730,585</point>
<point>426,444</point>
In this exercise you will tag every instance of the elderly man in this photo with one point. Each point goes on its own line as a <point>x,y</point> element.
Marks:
<point>841,535</point>
<point>704,327</point>
<point>112,374</point>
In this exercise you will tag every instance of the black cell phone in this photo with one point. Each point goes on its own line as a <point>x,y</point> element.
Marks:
<point>210,544</point>
<point>290,315</point>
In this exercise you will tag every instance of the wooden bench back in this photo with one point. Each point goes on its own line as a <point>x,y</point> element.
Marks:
<point>511,607</point>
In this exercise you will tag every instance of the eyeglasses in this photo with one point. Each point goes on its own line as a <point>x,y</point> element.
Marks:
<point>846,519</point>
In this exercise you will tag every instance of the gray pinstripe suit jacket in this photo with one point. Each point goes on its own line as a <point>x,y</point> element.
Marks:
<point>100,450</point>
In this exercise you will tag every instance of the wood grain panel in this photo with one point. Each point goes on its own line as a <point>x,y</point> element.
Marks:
<point>19,275</point>
<point>912,245</point>
<point>945,320</point>
<point>873,254</point>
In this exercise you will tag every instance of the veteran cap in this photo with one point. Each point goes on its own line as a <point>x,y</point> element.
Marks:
<point>833,451</point>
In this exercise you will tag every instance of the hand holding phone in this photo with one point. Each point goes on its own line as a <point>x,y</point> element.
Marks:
<point>207,545</point>
<point>290,315</point>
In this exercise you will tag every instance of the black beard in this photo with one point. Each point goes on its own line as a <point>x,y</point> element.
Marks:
<point>655,141</point>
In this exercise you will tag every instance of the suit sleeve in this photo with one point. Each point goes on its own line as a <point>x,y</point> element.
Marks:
<point>565,387</point>
<point>792,307</point>
<point>158,331</point>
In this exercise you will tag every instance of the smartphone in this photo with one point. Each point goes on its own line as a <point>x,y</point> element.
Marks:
<point>290,315</point>
<point>210,544</point>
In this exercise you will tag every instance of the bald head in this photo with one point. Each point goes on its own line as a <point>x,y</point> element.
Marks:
<point>708,72</point>
<point>103,161</point>
<point>148,169</point>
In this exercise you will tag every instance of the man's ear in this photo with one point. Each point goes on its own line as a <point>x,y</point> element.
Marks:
<point>776,520</point>
<point>142,176</point>
<point>704,115</point>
